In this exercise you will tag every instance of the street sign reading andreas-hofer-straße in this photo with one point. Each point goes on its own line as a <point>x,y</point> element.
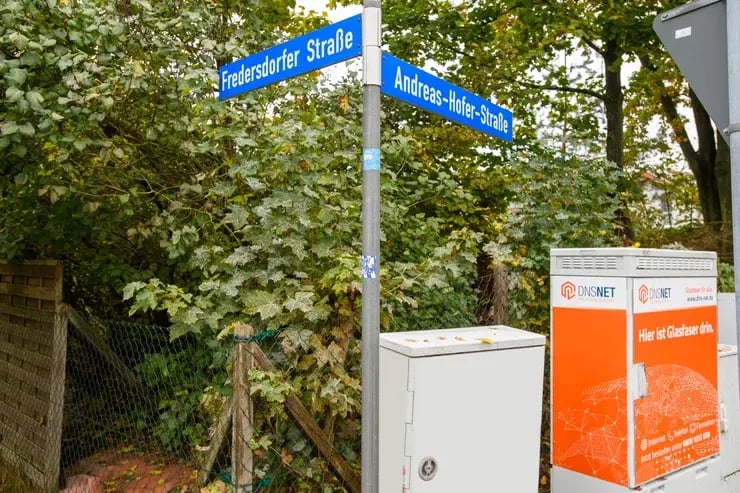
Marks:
<point>422,89</point>
<point>317,49</point>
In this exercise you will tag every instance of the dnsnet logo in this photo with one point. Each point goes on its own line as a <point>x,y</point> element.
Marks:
<point>659,295</point>
<point>642,294</point>
<point>568,290</point>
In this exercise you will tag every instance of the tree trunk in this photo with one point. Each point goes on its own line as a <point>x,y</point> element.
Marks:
<point>492,287</point>
<point>614,108</point>
<point>710,164</point>
<point>722,175</point>
<point>724,187</point>
<point>703,166</point>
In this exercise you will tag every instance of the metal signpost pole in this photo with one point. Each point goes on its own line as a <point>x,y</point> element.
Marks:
<point>371,61</point>
<point>733,131</point>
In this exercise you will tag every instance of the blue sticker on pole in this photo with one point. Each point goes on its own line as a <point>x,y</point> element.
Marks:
<point>369,267</point>
<point>317,49</point>
<point>412,85</point>
<point>371,159</point>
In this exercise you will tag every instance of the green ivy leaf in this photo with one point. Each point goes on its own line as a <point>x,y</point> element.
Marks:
<point>35,99</point>
<point>17,76</point>
<point>9,128</point>
<point>261,302</point>
<point>27,130</point>
<point>301,301</point>
<point>145,300</point>
<point>13,94</point>
<point>131,288</point>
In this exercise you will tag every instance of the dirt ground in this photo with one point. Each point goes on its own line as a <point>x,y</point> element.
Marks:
<point>124,470</point>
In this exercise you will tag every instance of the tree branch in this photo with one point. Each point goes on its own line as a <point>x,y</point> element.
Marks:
<point>446,44</point>
<point>548,87</point>
<point>593,46</point>
<point>671,113</point>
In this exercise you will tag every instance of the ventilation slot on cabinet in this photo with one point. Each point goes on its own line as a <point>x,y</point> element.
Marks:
<point>675,264</point>
<point>588,263</point>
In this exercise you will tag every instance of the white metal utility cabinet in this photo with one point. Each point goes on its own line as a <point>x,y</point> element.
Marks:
<point>729,413</point>
<point>634,371</point>
<point>460,410</point>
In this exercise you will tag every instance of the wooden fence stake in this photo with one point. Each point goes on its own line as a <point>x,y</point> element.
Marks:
<point>222,428</point>
<point>311,428</point>
<point>102,348</point>
<point>241,455</point>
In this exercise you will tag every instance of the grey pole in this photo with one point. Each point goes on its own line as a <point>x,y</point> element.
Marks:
<point>371,60</point>
<point>733,79</point>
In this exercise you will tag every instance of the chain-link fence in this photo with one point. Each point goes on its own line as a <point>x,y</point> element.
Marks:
<point>144,413</point>
<point>136,407</point>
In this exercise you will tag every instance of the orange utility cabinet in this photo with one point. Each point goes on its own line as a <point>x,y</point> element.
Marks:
<point>634,371</point>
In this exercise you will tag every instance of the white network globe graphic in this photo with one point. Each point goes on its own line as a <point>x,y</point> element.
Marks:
<point>678,398</point>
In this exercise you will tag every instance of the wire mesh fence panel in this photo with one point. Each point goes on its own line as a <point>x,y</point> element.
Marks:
<point>140,408</point>
<point>144,413</point>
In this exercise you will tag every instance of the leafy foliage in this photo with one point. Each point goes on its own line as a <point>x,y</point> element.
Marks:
<point>106,106</point>
<point>272,240</point>
<point>667,199</point>
<point>561,201</point>
<point>586,69</point>
<point>725,278</point>
<point>175,428</point>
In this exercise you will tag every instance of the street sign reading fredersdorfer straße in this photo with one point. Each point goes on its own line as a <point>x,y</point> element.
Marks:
<point>426,91</point>
<point>320,48</point>
<point>695,35</point>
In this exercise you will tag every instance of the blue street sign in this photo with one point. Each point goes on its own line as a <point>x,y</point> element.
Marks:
<point>320,48</point>
<point>414,86</point>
